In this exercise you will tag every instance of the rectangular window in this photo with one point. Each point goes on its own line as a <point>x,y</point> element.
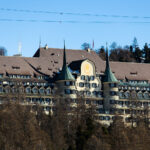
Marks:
<point>28,90</point>
<point>1,75</point>
<point>1,90</point>
<point>112,101</point>
<point>82,77</point>
<point>92,78</point>
<point>87,85</point>
<point>88,78</point>
<point>67,83</point>
<point>81,84</point>
<point>67,91</point>
<point>113,93</point>
<point>112,84</point>
<point>94,85</point>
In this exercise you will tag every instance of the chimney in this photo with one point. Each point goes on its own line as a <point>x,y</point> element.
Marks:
<point>88,50</point>
<point>46,46</point>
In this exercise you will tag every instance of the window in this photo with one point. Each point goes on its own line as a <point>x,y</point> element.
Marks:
<point>73,91</point>
<point>92,78</point>
<point>41,91</point>
<point>28,90</point>
<point>1,75</point>
<point>7,90</point>
<point>87,85</point>
<point>82,77</point>
<point>99,94</point>
<point>100,102</point>
<point>48,100</point>
<point>67,83</point>
<point>21,90</point>
<point>88,102</point>
<point>127,94</point>
<point>112,84</point>
<point>81,84</point>
<point>101,118</point>
<point>94,93</point>
<point>35,90</point>
<point>67,91</point>
<point>28,99</point>
<point>107,118</point>
<point>127,103</point>
<point>101,110</point>
<point>1,89</point>
<point>48,108</point>
<point>120,103</point>
<point>146,95</point>
<point>113,93</point>
<point>88,93</point>
<point>94,85</point>
<point>127,111</point>
<point>88,78</point>
<point>48,91</point>
<point>121,95</point>
<point>14,90</point>
<point>112,101</point>
<point>140,95</point>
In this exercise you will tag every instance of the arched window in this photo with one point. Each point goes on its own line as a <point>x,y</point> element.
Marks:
<point>48,91</point>
<point>28,90</point>
<point>146,95</point>
<point>35,90</point>
<point>140,95</point>
<point>41,90</point>
<point>121,95</point>
<point>127,95</point>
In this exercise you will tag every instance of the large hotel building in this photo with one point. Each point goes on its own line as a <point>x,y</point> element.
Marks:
<point>113,87</point>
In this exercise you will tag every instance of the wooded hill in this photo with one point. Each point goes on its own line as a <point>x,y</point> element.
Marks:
<point>21,129</point>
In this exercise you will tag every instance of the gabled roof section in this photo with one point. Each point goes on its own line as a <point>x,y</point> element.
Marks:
<point>65,74</point>
<point>109,76</point>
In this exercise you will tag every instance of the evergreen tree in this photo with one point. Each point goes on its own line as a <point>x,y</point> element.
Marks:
<point>146,52</point>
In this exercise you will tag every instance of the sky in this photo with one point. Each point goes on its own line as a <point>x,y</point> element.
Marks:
<point>116,20</point>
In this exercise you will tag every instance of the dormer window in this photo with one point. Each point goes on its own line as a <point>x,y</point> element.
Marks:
<point>133,73</point>
<point>15,67</point>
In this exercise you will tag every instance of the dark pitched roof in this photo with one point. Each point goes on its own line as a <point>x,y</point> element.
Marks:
<point>50,61</point>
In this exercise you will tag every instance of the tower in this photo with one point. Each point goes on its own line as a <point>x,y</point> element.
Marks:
<point>110,87</point>
<point>65,82</point>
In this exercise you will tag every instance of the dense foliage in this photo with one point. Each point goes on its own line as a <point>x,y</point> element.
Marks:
<point>127,53</point>
<point>21,129</point>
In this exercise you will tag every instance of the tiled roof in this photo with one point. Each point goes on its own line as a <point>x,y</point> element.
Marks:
<point>48,61</point>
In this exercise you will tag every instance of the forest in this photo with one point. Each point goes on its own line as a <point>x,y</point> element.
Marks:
<point>66,129</point>
<point>127,53</point>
